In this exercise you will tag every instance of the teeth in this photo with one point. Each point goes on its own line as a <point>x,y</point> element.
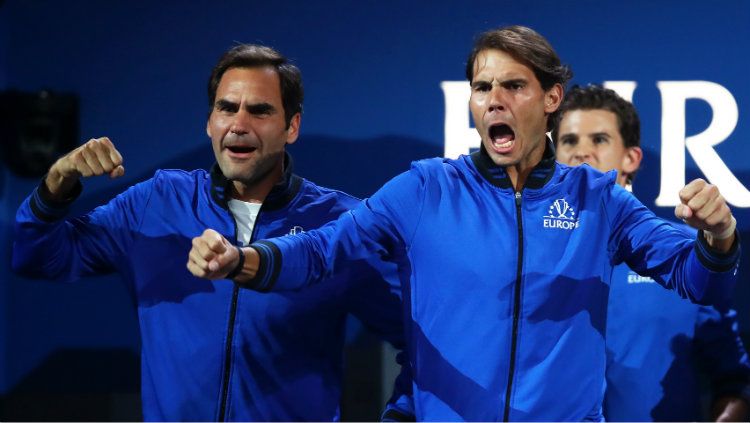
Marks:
<point>504,144</point>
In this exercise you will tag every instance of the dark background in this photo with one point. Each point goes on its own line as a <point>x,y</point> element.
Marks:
<point>373,103</point>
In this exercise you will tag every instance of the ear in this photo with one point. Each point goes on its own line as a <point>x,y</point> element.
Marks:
<point>631,161</point>
<point>208,127</point>
<point>293,131</point>
<point>552,98</point>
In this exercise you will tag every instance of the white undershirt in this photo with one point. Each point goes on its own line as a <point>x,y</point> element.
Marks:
<point>245,215</point>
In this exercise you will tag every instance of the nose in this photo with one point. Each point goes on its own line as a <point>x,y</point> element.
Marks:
<point>241,123</point>
<point>583,153</point>
<point>497,99</point>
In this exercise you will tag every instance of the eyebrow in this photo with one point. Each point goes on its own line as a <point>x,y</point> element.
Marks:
<point>225,104</point>
<point>503,83</point>
<point>514,81</point>
<point>255,108</point>
<point>260,108</point>
<point>479,82</point>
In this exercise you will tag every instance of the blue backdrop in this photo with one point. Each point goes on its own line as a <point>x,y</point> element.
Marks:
<point>372,73</point>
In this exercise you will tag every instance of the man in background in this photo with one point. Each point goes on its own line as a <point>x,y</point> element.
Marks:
<point>657,343</point>
<point>213,350</point>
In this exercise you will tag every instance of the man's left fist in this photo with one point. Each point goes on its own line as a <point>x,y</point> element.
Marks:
<point>212,256</point>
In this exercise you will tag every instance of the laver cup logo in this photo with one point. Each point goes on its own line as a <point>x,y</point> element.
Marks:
<point>561,215</point>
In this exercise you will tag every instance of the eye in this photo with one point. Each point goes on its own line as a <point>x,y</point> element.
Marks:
<point>261,109</point>
<point>600,139</point>
<point>481,86</point>
<point>515,86</point>
<point>568,140</point>
<point>226,106</point>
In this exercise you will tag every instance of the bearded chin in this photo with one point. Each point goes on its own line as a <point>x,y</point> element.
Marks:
<point>262,169</point>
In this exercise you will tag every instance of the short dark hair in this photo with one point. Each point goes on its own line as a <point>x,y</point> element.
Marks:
<point>254,56</point>
<point>528,47</point>
<point>596,97</point>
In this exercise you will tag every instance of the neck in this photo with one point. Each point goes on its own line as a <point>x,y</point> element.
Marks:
<point>519,172</point>
<point>257,191</point>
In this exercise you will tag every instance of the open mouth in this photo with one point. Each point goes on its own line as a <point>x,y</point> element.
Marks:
<point>502,135</point>
<point>241,149</point>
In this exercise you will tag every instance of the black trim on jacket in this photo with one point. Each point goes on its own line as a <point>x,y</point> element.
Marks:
<point>497,176</point>
<point>281,194</point>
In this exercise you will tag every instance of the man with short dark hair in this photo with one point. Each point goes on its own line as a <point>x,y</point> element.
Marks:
<point>657,343</point>
<point>505,320</point>
<point>213,350</point>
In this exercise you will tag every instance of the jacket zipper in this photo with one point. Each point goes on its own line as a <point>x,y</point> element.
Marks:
<point>230,327</point>
<point>516,311</point>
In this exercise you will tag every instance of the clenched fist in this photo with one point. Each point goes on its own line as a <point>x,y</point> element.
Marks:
<point>96,157</point>
<point>703,207</point>
<point>212,256</point>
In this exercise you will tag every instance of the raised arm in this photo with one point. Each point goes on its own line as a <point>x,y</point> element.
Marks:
<point>48,245</point>
<point>702,269</point>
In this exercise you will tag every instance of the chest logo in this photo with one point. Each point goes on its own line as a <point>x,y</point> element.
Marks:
<point>636,278</point>
<point>561,215</point>
<point>296,230</point>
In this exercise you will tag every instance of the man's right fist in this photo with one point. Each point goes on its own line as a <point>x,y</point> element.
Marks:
<point>97,157</point>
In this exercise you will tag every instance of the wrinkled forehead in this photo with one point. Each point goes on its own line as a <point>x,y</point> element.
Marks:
<point>258,82</point>
<point>500,61</point>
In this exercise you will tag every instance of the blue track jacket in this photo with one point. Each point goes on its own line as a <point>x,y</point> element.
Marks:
<point>658,345</point>
<point>505,293</point>
<point>212,350</point>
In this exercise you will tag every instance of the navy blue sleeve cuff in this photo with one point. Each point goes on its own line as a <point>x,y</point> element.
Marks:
<point>46,208</point>
<point>269,266</point>
<point>714,260</point>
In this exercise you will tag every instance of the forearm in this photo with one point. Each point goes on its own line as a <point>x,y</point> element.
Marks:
<point>59,185</point>
<point>722,243</point>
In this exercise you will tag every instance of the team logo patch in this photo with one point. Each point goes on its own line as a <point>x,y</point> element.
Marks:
<point>636,278</point>
<point>296,230</point>
<point>561,215</point>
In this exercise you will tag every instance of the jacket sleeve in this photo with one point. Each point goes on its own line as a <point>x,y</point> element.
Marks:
<point>379,229</point>
<point>653,247</point>
<point>722,353</point>
<point>48,245</point>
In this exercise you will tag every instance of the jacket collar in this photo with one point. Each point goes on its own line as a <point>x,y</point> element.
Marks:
<point>497,176</point>
<point>281,194</point>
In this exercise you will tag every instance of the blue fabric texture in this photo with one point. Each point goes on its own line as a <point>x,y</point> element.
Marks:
<point>212,349</point>
<point>505,295</point>
<point>660,347</point>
